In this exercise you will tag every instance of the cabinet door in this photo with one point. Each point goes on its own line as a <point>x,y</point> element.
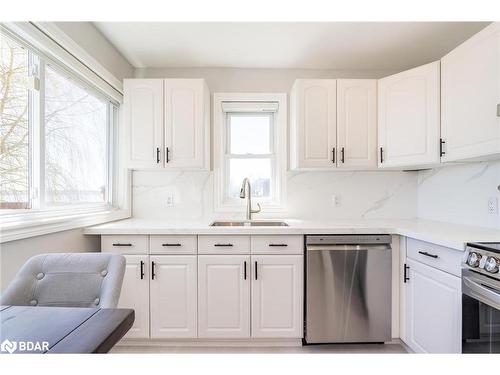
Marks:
<point>313,124</point>
<point>143,119</point>
<point>223,296</point>
<point>357,123</point>
<point>409,124</point>
<point>277,296</point>
<point>433,309</point>
<point>173,296</point>
<point>135,294</point>
<point>186,125</point>
<point>470,81</point>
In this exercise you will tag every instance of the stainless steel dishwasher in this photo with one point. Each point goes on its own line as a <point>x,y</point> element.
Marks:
<point>348,289</point>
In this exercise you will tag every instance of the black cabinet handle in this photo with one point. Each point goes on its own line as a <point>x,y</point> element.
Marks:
<point>157,155</point>
<point>122,244</point>
<point>167,159</point>
<point>278,245</point>
<point>223,245</point>
<point>405,273</point>
<point>342,152</point>
<point>245,270</point>
<point>153,270</point>
<point>171,244</point>
<point>381,155</point>
<point>441,144</point>
<point>142,270</point>
<point>255,270</point>
<point>333,155</point>
<point>428,254</point>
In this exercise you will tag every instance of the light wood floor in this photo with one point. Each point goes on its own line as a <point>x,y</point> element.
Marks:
<point>391,348</point>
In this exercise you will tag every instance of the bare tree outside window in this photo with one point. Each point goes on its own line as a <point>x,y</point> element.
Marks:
<point>75,142</point>
<point>14,125</point>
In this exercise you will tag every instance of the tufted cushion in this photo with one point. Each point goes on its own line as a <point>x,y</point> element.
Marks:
<point>68,279</point>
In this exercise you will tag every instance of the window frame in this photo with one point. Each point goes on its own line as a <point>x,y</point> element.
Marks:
<point>37,62</point>
<point>222,156</point>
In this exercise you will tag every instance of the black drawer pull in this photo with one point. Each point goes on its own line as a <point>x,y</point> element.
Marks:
<point>171,244</point>
<point>405,274</point>
<point>381,155</point>
<point>244,270</point>
<point>223,245</point>
<point>342,152</point>
<point>153,270</point>
<point>333,155</point>
<point>428,255</point>
<point>142,270</point>
<point>255,270</point>
<point>122,244</point>
<point>278,245</point>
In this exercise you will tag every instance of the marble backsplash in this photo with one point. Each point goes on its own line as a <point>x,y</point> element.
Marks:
<point>459,193</point>
<point>364,194</point>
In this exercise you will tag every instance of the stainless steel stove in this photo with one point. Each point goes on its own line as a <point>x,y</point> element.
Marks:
<point>481,298</point>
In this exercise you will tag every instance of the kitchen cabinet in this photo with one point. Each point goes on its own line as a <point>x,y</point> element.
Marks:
<point>409,118</point>
<point>167,123</point>
<point>277,294</point>
<point>173,290</point>
<point>224,296</point>
<point>433,309</point>
<point>313,124</point>
<point>143,121</point>
<point>135,294</point>
<point>470,84</point>
<point>356,123</point>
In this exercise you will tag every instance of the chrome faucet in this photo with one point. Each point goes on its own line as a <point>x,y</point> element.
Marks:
<point>246,192</point>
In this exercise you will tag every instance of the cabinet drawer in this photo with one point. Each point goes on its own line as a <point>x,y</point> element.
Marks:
<point>173,244</point>
<point>223,244</point>
<point>277,244</point>
<point>436,256</point>
<point>125,244</point>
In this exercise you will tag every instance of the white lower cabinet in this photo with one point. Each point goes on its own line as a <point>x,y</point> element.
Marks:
<point>173,293</point>
<point>224,296</point>
<point>135,294</point>
<point>277,290</point>
<point>433,309</point>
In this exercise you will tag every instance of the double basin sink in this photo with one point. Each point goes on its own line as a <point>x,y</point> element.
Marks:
<point>247,223</point>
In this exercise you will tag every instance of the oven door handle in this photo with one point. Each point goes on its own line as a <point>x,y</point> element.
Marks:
<point>482,290</point>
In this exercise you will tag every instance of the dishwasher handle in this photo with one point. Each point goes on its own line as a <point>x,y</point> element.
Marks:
<point>347,247</point>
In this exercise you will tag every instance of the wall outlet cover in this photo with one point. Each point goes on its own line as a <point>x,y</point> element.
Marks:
<point>493,206</point>
<point>170,200</point>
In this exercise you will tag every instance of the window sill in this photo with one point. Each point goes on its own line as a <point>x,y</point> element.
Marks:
<point>31,225</point>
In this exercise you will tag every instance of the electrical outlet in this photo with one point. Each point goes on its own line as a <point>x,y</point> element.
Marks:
<point>336,200</point>
<point>170,200</point>
<point>493,206</point>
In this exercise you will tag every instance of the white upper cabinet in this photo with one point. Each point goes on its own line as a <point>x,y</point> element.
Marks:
<point>173,296</point>
<point>313,124</point>
<point>357,123</point>
<point>187,130</point>
<point>167,123</point>
<point>470,84</point>
<point>409,118</point>
<point>143,120</point>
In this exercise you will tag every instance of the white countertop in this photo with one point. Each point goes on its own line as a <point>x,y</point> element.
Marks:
<point>445,234</point>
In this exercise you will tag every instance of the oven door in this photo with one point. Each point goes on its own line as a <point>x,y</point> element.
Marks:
<point>480,313</point>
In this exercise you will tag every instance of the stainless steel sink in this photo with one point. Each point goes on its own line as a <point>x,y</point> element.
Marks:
<point>253,223</point>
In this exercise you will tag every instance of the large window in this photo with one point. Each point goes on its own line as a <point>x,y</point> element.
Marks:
<point>251,139</point>
<point>55,135</point>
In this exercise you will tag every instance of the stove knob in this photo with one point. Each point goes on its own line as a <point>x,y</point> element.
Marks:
<point>492,265</point>
<point>473,259</point>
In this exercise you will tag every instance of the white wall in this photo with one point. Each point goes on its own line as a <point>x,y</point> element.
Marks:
<point>15,253</point>
<point>459,193</point>
<point>90,39</point>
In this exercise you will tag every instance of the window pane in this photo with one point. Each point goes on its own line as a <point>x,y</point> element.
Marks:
<point>257,170</point>
<point>250,134</point>
<point>75,143</point>
<point>14,132</point>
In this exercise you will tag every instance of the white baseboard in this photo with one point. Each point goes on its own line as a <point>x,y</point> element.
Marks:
<point>210,343</point>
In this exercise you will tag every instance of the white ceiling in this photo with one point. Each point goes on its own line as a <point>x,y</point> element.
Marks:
<point>332,45</point>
